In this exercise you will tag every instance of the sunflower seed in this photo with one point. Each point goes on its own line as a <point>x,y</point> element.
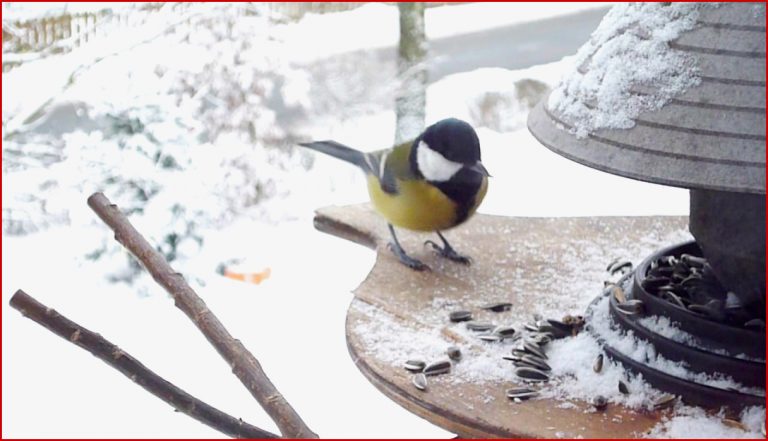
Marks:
<point>541,338</point>
<point>512,357</point>
<point>600,402</point>
<point>534,349</point>
<point>665,401</point>
<point>518,352</point>
<point>420,381</point>
<point>623,388</point>
<point>566,328</point>
<point>536,362</point>
<point>631,307</point>
<point>613,262</point>
<point>480,326</point>
<point>654,282</point>
<point>497,306</point>
<point>712,308</point>
<point>598,366</point>
<point>623,267</point>
<point>555,332</point>
<point>531,327</point>
<point>673,298</point>
<point>460,316</point>
<point>504,331</point>
<point>414,365</point>
<point>531,374</point>
<point>438,367</point>
<point>755,324</point>
<point>522,393</point>
<point>490,337</point>
<point>694,261</point>
<point>454,353</point>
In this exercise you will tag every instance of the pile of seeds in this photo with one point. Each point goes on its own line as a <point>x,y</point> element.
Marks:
<point>688,282</point>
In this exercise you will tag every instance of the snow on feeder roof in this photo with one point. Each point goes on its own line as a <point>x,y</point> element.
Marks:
<point>667,93</point>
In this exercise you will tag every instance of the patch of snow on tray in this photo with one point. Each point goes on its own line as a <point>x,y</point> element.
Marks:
<point>694,422</point>
<point>629,48</point>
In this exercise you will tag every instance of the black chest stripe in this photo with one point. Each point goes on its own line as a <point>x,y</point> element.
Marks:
<point>462,189</point>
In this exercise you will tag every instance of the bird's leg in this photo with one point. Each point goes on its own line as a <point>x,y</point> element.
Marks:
<point>398,251</point>
<point>447,250</point>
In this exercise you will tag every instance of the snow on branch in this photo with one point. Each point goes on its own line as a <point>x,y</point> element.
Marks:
<point>133,369</point>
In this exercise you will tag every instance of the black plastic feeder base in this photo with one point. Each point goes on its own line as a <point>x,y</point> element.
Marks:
<point>711,347</point>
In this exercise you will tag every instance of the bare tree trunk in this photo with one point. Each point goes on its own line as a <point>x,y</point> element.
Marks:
<point>412,72</point>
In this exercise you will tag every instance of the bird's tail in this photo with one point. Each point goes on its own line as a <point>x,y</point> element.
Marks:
<point>339,151</point>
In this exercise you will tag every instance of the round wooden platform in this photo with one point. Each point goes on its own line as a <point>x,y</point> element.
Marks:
<point>535,263</point>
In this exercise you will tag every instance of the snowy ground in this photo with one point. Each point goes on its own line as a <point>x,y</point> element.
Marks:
<point>294,321</point>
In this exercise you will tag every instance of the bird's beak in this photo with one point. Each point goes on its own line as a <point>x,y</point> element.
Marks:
<point>479,168</point>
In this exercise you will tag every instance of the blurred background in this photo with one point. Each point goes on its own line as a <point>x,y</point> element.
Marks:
<point>187,116</point>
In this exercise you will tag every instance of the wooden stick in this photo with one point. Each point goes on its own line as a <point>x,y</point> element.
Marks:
<point>244,364</point>
<point>133,369</point>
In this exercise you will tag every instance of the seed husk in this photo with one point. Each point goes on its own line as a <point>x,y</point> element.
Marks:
<point>480,326</point>
<point>414,365</point>
<point>460,316</point>
<point>618,294</point>
<point>454,353</point>
<point>497,306</point>
<point>438,367</point>
<point>530,374</point>
<point>600,402</point>
<point>631,307</point>
<point>623,388</point>
<point>735,424</point>
<point>598,366</point>
<point>504,331</point>
<point>664,402</point>
<point>420,381</point>
<point>522,393</point>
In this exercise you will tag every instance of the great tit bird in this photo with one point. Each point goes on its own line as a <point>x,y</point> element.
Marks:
<point>434,183</point>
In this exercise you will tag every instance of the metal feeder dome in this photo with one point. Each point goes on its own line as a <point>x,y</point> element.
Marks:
<point>710,138</point>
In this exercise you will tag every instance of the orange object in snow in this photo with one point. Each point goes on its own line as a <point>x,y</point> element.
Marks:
<point>254,278</point>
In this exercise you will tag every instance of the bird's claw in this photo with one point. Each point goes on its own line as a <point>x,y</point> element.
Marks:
<point>449,253</point>
<point>407,260</point>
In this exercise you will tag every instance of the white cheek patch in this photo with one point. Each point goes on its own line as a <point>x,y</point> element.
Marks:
<point>433,165</point>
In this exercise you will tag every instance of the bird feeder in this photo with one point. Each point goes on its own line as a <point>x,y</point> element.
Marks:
<point>709,137</point>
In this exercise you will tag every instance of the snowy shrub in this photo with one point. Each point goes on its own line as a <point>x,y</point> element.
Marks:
<point>180,130</point>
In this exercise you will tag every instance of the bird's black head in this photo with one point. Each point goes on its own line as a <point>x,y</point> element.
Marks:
<point>444,149</point>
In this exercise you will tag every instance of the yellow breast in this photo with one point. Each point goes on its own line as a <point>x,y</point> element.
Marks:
<point>418,205</point>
